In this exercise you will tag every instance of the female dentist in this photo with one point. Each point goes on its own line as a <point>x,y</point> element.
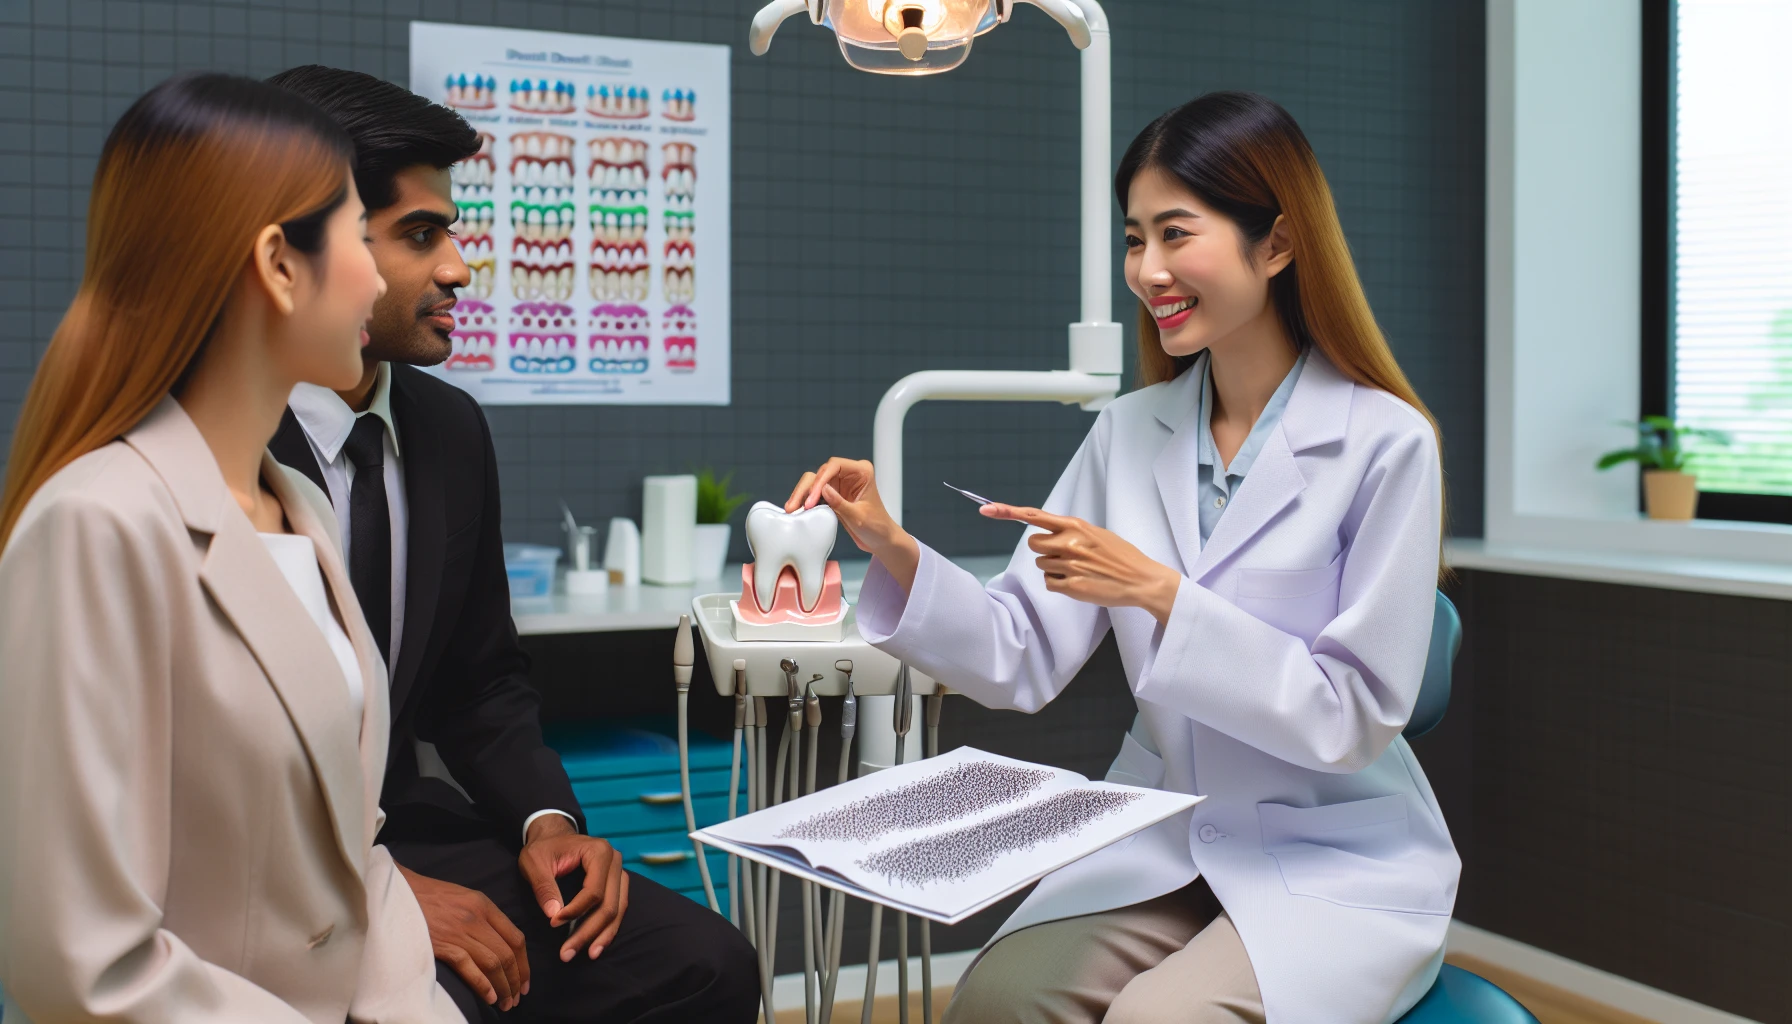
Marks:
<point>1260,528</point>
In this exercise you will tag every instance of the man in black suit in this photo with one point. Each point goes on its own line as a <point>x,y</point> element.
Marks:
<point>481,817</point>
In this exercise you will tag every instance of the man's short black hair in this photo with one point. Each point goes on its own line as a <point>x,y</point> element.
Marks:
<point>392,128</point>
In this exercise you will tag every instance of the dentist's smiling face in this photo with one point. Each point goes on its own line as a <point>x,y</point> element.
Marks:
<point>1193,267</point>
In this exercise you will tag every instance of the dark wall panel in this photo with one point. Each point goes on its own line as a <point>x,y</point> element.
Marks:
<point>1625,799</point>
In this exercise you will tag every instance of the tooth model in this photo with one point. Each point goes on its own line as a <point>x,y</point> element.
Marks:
<point>791,579</point>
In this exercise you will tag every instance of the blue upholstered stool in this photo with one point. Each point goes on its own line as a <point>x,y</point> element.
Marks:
<point>1458,997</point>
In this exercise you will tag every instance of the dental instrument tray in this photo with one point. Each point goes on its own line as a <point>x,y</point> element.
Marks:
<point>873,672</point>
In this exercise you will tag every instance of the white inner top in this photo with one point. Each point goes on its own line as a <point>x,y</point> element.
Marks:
<point>297,559</point>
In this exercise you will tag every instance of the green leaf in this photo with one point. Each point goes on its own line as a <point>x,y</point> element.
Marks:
<point>714,502</point>
<point>1610,459</point>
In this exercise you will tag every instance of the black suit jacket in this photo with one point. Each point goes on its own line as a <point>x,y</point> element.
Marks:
<point>461,681</point>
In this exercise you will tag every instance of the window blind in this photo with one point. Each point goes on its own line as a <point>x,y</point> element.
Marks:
<point>1732,239</point>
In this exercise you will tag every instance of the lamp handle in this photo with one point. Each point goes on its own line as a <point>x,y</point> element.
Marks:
<point>766,22</point>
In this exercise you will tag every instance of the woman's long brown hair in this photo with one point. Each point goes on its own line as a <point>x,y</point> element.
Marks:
<point>191,173</point>
<point>1244,156</point>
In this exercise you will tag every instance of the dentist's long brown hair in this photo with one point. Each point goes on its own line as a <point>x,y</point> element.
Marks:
<point>191,173</point>
<point>1244,156</point>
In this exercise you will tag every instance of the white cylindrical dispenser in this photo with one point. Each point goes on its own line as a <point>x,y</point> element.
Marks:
<point>668,528</point>
<point>622,553</point>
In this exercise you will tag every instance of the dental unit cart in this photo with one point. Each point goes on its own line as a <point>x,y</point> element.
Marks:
<point>776,646</point>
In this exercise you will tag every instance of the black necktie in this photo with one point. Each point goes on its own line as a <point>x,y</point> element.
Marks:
<point>370,528</point>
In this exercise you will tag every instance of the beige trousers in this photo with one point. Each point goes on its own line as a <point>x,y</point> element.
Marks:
<point>1176,959</point>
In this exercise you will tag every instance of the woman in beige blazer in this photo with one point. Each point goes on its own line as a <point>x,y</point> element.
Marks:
<point>193,715</point>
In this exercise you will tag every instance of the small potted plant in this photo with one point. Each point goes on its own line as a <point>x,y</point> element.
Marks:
<point>714,507</point>
<point>1669,491</point>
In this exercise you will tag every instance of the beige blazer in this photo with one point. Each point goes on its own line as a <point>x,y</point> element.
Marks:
<point>187,806</point>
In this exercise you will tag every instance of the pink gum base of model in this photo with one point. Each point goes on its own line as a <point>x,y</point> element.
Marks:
<point>787,605</point>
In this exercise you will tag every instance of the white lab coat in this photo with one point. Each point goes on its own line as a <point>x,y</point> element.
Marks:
<point>1279,687</point>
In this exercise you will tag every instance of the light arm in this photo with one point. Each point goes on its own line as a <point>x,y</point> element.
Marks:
<point>766,22</point>
<point>1064,13</point>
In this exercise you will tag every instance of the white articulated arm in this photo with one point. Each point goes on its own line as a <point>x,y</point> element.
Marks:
<point>1064,12</point>
<point>766,22</point>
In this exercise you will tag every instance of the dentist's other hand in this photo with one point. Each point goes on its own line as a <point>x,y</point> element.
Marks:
<point>1085,562</point>
<point>470,934</point>
<point>849,486</point>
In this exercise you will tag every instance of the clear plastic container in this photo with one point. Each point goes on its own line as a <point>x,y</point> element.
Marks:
<point>530,568</point>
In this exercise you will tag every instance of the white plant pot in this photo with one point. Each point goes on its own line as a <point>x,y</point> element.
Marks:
<point>709,551</point>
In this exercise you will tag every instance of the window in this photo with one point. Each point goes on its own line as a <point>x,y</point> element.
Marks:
<point>1717,224</point>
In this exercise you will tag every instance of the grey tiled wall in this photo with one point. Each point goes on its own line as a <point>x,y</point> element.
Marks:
<point>881,225</point>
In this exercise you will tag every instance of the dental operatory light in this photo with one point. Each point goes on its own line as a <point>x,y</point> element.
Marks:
<point>909,37</point>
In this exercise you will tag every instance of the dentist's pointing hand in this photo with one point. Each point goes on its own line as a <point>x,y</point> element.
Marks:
<point>849,486</point>
<point>1088,563</point>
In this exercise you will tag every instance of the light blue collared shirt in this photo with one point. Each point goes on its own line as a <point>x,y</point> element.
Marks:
<point>1218,489</point>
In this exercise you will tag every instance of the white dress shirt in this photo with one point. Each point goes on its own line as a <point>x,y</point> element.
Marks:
<point>327,421</point>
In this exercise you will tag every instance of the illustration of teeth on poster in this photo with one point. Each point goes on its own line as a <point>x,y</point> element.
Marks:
<point>594,218</point>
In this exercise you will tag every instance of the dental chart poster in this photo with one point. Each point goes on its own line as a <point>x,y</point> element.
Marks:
<point>594,218</point>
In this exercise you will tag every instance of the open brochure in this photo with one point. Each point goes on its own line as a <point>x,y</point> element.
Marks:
<point>945,837</point>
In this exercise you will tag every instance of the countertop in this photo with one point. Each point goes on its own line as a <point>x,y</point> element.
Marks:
<point>658,607</point>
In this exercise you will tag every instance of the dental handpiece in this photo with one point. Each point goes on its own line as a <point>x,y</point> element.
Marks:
<point>743,737</point>
<point>904,716</point>
<point>758,723</point>
<point>740,733</point>
<point>794,692</point>
<point>683,655</point>
<point>812,728</point>
<point>683,659</point>
<point>849,717</point>
<point>849,724</point>
<point>814,935</point>
<point>933,704</point>
<point>844,666</point>
<point>740,692</point>
<point>903,713</point>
